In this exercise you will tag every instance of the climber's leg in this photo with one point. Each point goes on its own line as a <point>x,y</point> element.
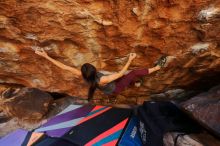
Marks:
<point>153,69</point>
<point>127,79</point>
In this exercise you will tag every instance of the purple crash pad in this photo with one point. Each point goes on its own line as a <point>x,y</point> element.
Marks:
<point>15,138</point>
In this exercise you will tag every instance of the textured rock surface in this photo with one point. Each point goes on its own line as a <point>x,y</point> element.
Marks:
<point>26,103</point>
<point>205,108</point>
<point>182,140</point>
<point>202,139</point>
<point>102,33</point>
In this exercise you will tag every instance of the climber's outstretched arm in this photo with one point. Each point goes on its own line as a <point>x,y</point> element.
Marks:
<point>75,71</point>
<point>115,76</point>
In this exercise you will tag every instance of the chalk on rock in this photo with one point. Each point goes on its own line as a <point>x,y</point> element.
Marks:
<point>31,36</point>
<point>107,23</point>
<point>199,47</point>
<point>169,60</point>
<point>136,11</point>
<point>209,13</point>
<point>35,48</point>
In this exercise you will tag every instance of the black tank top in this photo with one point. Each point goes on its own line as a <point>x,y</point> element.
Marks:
<point>108,88</point>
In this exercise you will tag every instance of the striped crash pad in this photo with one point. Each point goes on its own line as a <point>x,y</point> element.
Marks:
<point>102,126</point>
<point>76,125</point>
<point>64,121</point>
<point>15,138</point>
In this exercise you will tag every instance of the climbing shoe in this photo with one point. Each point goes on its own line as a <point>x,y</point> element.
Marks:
<point>161,61</point>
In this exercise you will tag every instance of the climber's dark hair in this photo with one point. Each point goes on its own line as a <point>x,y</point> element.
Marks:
<point>89,74</point>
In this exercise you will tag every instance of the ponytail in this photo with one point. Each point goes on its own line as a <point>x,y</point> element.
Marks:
<point>89,74</point>
<point>92,89</point>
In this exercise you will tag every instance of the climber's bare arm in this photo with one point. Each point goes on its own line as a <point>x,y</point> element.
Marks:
<point>115,76</point>
<point>75,71</point>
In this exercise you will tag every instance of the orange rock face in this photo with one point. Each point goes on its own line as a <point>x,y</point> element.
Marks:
<point>103,33</point>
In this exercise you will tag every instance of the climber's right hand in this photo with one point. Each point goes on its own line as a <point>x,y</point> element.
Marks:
<point>41,52</point>
<point>132,56</point>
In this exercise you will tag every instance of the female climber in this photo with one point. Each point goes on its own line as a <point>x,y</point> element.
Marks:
<point>109,84</point>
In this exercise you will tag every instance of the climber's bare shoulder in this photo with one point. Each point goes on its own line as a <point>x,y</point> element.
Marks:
<point>109,78</point>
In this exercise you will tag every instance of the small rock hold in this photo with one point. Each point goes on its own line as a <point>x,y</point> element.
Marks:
<point>169,60</point>
<point>3,21</point>
<point>104,22</point>
<point>136,11</point>
<point>31,36</point>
